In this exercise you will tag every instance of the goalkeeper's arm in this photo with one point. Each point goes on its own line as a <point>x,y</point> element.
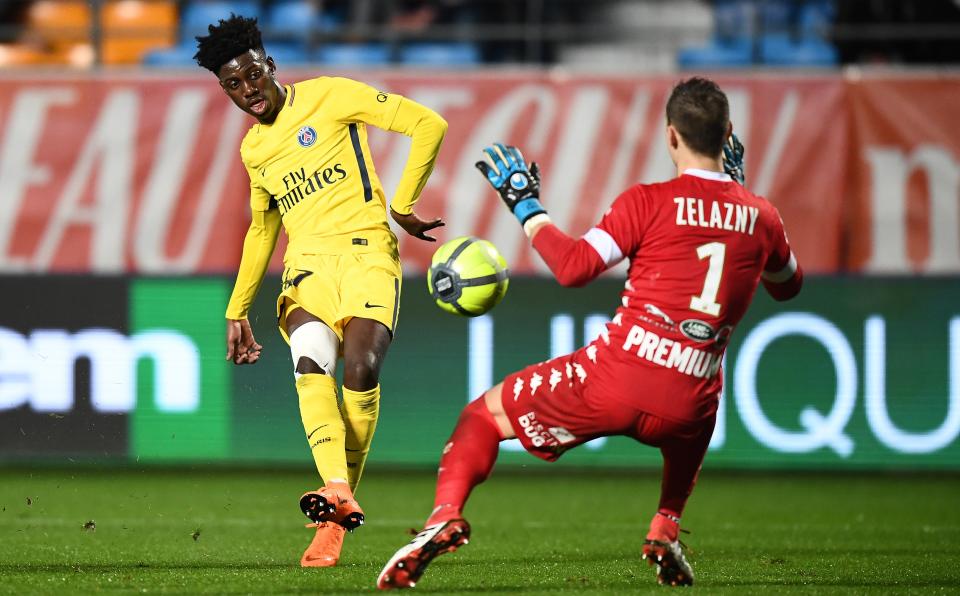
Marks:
<point>574,262</point>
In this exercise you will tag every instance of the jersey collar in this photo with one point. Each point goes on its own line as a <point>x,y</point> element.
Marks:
<point>708,175</point>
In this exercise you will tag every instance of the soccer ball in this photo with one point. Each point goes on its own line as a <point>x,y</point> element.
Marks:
<point>467,276</point>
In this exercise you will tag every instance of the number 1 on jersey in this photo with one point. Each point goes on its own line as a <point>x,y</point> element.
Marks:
<point>706,301</point>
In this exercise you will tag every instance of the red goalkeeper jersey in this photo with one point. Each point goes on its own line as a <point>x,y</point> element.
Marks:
<point>698,246</point>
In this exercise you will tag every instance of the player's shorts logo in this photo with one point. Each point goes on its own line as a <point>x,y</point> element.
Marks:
<point>306,136</point>
<point>563,435</point>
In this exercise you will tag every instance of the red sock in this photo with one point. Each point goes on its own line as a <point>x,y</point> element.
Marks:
<point>664,527</point>
<point>467,460</point>
<point>681,466</point>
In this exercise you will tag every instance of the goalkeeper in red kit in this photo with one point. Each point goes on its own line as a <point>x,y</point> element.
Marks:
<point>698,246</point>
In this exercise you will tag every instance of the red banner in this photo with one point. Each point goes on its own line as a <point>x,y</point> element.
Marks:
<point>142,174</point>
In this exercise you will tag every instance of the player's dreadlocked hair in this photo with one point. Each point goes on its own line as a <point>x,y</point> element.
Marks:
<point>698,109</point>
<point>227,40</point>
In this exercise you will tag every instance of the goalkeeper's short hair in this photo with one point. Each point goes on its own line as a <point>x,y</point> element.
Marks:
<point>698,109</point>
<point>227,40</point>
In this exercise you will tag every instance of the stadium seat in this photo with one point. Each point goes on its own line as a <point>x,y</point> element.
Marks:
<point>360,54</point>
<point>199,14</point>
<point>297,20</point>
<point>777,16</point>
<point>56,32</point>
<point>440,54</point>
<point>60,22</point>
<point>15,54</point>
<point>734,23</point>
<point>288,53</point>
<point>180,56</point>
<point>784,50</point>
<point>131,28</point>
<point>734,20</point>
<point>715,55</point>
<point>816,16</point>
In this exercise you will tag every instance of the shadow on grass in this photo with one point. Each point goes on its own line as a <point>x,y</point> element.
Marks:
<point>801,555</point>
<point>107,567</point>
<point>830,583</point>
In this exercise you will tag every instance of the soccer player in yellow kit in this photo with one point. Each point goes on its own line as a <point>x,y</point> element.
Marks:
<point>311,171</point>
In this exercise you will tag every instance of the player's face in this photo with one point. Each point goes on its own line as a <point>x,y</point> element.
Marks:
<point>248,80</point>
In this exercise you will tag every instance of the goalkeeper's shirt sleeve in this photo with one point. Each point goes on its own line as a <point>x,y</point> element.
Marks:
<point>617,235</point>
<point>573,262</point>
<point>782,275</point>
<point>258,247</point>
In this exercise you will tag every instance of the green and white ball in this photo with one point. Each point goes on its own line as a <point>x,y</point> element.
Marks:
<point>468,276</point>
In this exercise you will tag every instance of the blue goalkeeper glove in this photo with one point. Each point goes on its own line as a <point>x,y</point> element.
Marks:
<point>517,185</point>
<point>733,158</point>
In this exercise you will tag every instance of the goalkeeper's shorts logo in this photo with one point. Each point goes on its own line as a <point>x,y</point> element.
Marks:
<point>306,136</point>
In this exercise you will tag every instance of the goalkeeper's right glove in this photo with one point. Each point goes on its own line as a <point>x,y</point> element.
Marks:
<point>517,185</point>
<point>733,158</point>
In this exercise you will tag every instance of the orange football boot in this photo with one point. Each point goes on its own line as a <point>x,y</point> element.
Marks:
<point>331,503</point>
<point>324,549</point>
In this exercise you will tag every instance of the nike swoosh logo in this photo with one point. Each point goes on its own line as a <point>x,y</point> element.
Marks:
<point>368,305</point>
<point>315,430</point>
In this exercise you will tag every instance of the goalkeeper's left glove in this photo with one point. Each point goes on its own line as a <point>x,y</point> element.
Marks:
<point>518,185</point>
<point>733,158</point>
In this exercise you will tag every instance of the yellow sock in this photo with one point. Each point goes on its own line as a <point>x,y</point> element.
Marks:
<point>360,412</point>
<point>323,424</point>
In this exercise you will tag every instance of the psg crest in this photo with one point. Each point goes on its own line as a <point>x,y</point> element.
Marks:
<point>306,136</point>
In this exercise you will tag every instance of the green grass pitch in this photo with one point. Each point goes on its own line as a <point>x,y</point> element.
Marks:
<point>534,532</point>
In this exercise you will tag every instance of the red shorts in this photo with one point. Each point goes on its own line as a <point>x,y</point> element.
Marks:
<point>558,404</point>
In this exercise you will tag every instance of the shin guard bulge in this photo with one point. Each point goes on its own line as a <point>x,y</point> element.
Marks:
<point>360,410</point>
<point>323,425</point>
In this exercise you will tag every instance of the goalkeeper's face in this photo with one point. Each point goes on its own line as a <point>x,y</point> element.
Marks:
<point>249,81</point>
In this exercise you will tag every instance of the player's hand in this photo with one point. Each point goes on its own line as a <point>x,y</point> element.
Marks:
<point>517,185</point>
<point>733,158</point>
<point>242,348</point>
<point>415,226</point>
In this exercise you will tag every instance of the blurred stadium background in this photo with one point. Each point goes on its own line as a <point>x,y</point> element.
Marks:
<point>124,204</point>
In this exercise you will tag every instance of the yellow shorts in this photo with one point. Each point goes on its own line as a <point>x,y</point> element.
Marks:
<point>336,288</point>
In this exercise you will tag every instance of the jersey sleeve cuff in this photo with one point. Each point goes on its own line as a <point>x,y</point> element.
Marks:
<point>535,222</point>
<point>785,274</point>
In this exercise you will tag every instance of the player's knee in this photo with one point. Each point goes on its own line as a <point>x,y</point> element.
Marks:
<point>492,405</point>
<point>307,366</point>
<point>362,372</point>
<point>314,348</point>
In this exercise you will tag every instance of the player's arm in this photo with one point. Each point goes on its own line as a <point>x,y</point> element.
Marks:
<point>573,262</point>
<point>425,128</point>
<point>258,245</point>
<point>782,275</point>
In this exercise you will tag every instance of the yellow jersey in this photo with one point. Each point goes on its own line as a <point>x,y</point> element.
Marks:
<point>312,170</point>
